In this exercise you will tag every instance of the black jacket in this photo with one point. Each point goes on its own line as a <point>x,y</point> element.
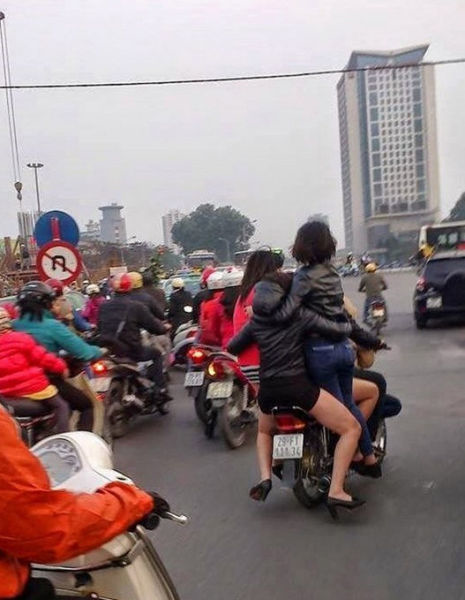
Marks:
<point>281,344</point>
<point>140,295</point>
<point>121,319</point>
<point>176,313</point>
<point>158,295</point>
<point>317,287</point>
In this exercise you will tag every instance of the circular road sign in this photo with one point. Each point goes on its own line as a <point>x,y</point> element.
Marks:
<point>59,260</point>
<point>68,229</point>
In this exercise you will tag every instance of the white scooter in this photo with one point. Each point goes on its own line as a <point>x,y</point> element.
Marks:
<point>126,568</point>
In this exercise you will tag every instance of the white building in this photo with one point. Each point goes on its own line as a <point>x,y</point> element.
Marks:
<point>112,224</point>
<point>389,157</point>
<point>168,220</point>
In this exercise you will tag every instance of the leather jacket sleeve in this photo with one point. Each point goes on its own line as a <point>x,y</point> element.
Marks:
<point>146,321</point>
<point>242,340</point>
<point>362,337</point>
<point>266,291</point>
<point>314,323</point>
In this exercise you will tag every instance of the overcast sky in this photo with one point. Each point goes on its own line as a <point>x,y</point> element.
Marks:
<point>271,149</point>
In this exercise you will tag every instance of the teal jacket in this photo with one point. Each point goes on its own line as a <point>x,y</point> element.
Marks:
<point>55,336</point>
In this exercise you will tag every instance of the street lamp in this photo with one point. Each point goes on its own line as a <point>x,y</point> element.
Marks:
<point>36,167</point>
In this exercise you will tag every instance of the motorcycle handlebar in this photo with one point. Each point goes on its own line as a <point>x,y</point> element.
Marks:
<point>179,519</point>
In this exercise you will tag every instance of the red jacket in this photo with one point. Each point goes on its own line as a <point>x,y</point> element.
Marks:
<point>42,525</point>
<point>22,365</point>
<point>251,355</point>
<point>209,334</point>
<point>222,325</point>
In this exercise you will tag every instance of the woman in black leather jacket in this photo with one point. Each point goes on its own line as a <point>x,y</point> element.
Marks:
<point>284,381</point>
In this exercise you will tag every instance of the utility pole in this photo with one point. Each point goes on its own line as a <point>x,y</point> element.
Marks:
<point>36,167</point>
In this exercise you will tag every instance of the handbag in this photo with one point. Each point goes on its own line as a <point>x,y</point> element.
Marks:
<point>365,358</point>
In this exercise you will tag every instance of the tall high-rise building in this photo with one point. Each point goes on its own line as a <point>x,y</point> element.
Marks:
<point>168,220</point>
<point>389,156</point>
<point>112,224</point>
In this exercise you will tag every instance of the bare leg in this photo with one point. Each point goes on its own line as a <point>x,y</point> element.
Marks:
<point>266,427</point>
<point>334,415</point>
<point>366,396</point>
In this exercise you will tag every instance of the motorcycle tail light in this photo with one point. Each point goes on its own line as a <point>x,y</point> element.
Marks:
<point>99,368</point>
<point>218,370</point>
<point>421,284</point>
<point>289,423</point>
<point>197,355</point>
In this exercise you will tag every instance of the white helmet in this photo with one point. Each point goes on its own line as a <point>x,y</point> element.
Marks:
<point>177,283</point>
<point>92,288</point>
<point>233,278</point>
<point>216,281</point>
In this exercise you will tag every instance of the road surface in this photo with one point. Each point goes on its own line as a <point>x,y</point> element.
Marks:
<point>407,543</point>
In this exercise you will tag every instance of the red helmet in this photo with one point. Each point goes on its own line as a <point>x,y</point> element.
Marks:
<point>206,274</point>
<point>56,286</point>
<point>122,283</point>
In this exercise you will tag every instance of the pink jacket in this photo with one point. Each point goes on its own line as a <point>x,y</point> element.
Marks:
<point>92,308</point>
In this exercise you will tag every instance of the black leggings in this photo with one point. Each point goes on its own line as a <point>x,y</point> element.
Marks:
<point>38,589</point>
<point>77,400</point>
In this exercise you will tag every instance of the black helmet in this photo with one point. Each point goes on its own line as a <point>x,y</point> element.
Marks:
<point>36,291</point>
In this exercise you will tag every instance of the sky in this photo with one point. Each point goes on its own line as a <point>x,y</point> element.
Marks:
<point>268,148</point>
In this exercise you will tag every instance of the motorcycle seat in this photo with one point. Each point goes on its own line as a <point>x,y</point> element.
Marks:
<point>295,411</point>
<point>25,408</point>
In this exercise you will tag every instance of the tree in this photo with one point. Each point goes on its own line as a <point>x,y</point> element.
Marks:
<point>458,211</point>
<point>223,230</point>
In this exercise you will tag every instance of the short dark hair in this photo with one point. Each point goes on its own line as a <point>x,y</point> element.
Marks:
<point>314,243</point>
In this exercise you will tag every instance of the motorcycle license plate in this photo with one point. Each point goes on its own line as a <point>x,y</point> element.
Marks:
<point>288,446</point>
<point>434,302</point>
<point>378,312</point>
<point>219,389</point>
<point>194,379</point>
<point>100,384</point>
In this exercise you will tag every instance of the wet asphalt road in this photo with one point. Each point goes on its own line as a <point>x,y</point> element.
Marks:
<point>407,543</point>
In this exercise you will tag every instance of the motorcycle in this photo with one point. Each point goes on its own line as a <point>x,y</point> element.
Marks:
<point>127,567</point>
<point>303,453</point>
<point>126,392</point>
<point>183,341</point>
<point>350,270</point>
<point>228,399</point>
<point>376,317</point>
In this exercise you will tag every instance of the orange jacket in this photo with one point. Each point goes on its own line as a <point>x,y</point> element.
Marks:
<point>42,525</point>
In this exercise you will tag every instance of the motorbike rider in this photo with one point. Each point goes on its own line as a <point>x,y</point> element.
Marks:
<point>139,295</point>
<point>222,319</point>
<point>63,309</point>
<point>35,302</point>
<point>201,295</point>
<point>93,304</point>
<point>150,288</point>
<point>23,367</point>
<point>208,335</point>
<point>42,525</point>
<point>179,305</point>
<point>284,381</point>
<point>373,284</point>
<point>119,325</point>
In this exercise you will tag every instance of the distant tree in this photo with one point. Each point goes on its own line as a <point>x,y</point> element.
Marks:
<point>458,211</point>
<point>207,227</point>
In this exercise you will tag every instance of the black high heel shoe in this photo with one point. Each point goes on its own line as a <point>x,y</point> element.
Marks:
<point>332,504</point>
<point>260,492</point>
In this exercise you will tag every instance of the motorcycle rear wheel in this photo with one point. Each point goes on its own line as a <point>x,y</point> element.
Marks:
<point>308,488</point>
<point>202,405</point>
<point>233,431</point>
<point>116,416</point>
<point>380,441</point>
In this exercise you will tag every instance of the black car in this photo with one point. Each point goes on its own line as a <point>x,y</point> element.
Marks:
<point>440,291</point>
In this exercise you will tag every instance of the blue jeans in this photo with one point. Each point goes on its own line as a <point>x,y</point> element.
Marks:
<point>331,366</point>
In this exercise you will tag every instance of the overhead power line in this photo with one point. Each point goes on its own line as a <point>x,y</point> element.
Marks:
<point>239,78</point>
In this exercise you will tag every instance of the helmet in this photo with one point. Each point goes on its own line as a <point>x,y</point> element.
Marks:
<point>147,277</point>
<point>36,291</point>
<point>92,288</point>
<point>136,278</point>
<point>122,283</point>
<point>56,286</point>
<point>233,278</point>
<point>206,274</point>
<point>178,283</point>
<point>371,267</point>
<point>215,281</point>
